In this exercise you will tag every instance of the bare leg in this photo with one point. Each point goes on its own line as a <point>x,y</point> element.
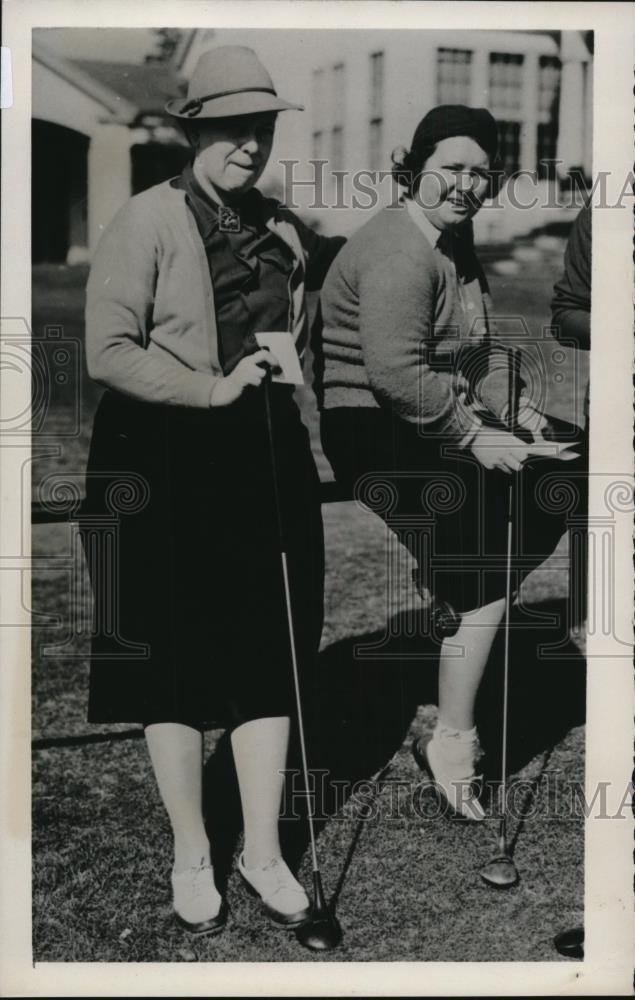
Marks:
<point>176,752</point>
<point>260,753</point>
<point>460,675</point>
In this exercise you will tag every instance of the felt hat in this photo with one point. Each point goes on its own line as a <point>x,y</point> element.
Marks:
<point>226,82</point>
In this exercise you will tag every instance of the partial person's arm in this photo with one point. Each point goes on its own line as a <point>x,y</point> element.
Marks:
<point>119,302</point>
<point>571,303</point>
<point>320,251</point>
<point>396,319</point>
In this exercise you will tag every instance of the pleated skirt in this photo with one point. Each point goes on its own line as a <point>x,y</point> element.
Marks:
<point>181,535</point>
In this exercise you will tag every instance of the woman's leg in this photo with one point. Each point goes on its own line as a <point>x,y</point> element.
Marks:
<point>176,752</point>
<point>260,753</point>
<point>452,752</point>
<point>462,663</point>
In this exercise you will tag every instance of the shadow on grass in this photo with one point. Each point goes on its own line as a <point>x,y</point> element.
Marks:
<point>358,712</point>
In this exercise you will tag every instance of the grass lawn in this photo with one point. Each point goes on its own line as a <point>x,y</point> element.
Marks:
<point>407,882</point>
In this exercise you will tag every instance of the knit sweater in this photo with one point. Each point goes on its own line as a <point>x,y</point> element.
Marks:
<point>396,329</point>
<point>571,303</point>
<point>150,315</point>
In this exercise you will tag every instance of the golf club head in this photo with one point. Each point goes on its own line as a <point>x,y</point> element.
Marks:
<point>570,943</point>
<point>322,932</point>
<point>500,872</point>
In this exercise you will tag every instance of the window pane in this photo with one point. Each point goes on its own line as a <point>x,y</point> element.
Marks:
<point>337,148</point>
<point>338,93</point>
<point>454,70</point>
<point>376,144</point>
<point>505,82</point>
<point>548,84</point>
<point>509,145</point>
<point>376,84</point>
<point>319,146</point>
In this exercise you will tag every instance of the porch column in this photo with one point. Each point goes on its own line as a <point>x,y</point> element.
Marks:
<point>109,177</point>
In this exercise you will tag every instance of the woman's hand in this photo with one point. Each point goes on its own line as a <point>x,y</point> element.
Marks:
<point>500,450</point>
<point>249,371</point>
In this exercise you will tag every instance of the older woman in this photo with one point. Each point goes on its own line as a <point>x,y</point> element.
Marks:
<point>415,394</point>
<point>184,277</point>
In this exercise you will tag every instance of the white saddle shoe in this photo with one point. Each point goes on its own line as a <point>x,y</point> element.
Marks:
<point>449,762</point>
<point>198,906</point>
<point>282,897</point>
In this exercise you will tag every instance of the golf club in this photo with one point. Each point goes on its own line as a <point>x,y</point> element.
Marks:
<point>322,931</point>
<point>500,871</point>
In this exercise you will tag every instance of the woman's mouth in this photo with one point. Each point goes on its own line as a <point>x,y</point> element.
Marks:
<point>458,204</point>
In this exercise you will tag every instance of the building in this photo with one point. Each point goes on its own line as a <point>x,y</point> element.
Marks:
<point>364,92</point>
<point>100,133</point>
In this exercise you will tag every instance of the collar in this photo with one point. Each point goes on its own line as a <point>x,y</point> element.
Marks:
<point>420,219</point>
<point>206,209</point>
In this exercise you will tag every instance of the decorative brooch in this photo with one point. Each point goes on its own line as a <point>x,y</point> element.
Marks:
<point>228,220</point>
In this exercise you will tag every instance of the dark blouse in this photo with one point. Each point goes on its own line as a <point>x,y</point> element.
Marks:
<point>250,268</point>
<point>250,271</point>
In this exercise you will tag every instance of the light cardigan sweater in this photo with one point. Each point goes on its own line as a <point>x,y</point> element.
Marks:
<point>394,312</point>
<point>150,317</point>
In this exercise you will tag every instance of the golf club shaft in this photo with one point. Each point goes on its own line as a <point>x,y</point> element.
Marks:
<point>287,595</point>
<point>508,598</point>
<point>512,416</point>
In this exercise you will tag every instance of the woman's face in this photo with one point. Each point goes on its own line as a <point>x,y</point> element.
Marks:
<point>454,182</point>
<point>231,153</point>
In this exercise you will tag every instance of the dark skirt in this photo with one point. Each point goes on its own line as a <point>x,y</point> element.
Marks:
<point>447,509</point>
<point>182,543</point>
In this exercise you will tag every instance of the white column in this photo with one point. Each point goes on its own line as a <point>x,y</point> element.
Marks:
<point>480,79</point>
<point>571,129</point>
<point>109,177</point>
<point>529,125</point>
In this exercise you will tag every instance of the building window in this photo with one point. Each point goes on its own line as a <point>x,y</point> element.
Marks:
<point>509,145</point>
<point>549,69</point>
<point>376,121</point>
<point>505,84</point>
<point>337,148</point>
<point>338,104</point>
<point>454,76</point>
<point>319,146</point>
<point>317,98</point>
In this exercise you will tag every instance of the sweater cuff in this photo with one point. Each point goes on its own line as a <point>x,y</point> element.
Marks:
<point>200,389</point>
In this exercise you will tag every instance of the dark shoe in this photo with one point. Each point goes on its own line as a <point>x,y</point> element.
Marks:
<point>282,897</point>
<point>570,943</point>
<point>198,906</point>
<point>455,782</point>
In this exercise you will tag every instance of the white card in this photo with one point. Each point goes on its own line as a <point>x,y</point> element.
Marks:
<point>282,345</point>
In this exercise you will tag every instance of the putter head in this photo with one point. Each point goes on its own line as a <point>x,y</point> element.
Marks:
<point>322,932</point>
<point>500,872</point>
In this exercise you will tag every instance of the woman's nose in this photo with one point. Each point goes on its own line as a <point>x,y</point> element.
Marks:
<point>250,142</point>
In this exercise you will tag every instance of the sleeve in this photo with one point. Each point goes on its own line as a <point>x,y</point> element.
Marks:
<point>571,303</point>
<point>490,383</point>
<point>320,251</point>
<point>119,304</point>
<point>396,318</point>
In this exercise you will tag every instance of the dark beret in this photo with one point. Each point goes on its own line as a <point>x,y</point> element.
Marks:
<point>449,120</point>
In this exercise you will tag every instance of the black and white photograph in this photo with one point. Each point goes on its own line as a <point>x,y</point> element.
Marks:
<point>319,418</point>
